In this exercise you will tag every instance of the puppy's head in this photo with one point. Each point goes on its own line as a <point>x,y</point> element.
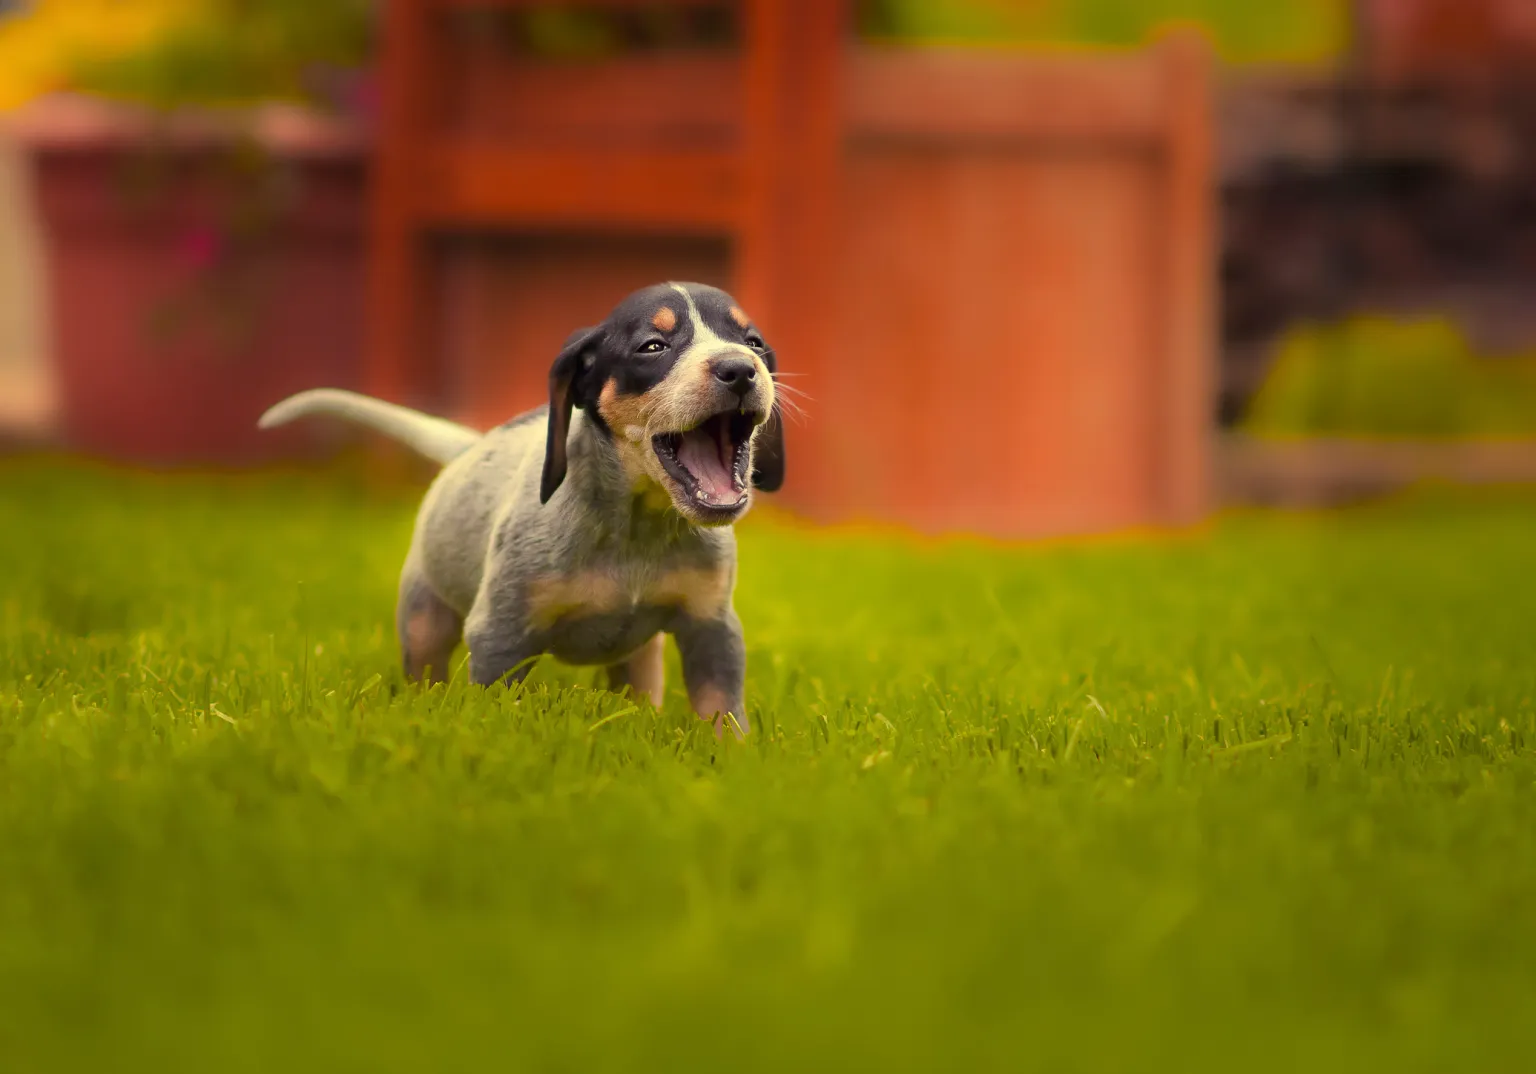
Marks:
<point>681,383</point>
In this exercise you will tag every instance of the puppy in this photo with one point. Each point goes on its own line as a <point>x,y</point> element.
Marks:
<point>588,528</point>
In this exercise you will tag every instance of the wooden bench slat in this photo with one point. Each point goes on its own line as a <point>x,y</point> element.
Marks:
<point>671,190</point>
<point>957,95</point>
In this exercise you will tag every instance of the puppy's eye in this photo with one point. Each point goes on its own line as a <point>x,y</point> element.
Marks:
<point>651,346</point>
<point>755,342</point>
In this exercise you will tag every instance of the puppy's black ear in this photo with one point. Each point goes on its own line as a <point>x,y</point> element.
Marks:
<point>768,447</point>
<point>768,454</point>
<point>564,376</point>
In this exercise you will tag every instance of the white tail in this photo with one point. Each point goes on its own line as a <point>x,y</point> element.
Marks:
<point>436,438</point>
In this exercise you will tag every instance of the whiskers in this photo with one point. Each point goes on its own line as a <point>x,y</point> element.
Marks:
<point>789,401</point>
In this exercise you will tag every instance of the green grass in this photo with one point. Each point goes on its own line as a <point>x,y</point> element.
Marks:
<point>1261,798</point>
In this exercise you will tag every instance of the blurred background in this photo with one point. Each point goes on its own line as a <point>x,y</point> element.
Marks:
<point>1032,266</point>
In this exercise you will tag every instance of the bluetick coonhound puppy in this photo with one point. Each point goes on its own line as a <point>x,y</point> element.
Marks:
<point>589,528</point>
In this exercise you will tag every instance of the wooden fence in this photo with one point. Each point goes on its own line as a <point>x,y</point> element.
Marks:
<point>991,274</point>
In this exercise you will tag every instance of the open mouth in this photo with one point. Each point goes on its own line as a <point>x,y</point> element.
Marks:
<point>711,462</point>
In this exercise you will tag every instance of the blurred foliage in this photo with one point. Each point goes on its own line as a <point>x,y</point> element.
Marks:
<point>575,33</point>
<point>228,52</point>
<point>1294,31</point>
<point>1377,377</point>
<point>581,33</point>
<point>40,44</point>
<point>169,53</point>
<point>1304,31</point>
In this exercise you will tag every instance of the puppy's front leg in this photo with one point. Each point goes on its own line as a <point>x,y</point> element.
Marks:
<point>498,647</point>
<point>488,666</point>
<point>715,669</point>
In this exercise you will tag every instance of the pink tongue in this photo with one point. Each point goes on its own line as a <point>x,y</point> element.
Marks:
<point>701,453</point>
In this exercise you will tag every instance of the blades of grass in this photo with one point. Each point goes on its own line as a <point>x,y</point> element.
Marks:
<point>1248,747</point>
<point>1077,730</point>
<point>625,711</point>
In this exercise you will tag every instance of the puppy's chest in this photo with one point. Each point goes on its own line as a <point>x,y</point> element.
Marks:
<point>622,590</point>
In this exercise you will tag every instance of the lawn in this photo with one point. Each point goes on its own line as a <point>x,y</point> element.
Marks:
<point>1257,798</point>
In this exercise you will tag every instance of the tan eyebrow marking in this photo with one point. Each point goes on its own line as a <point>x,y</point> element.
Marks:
<point>740,317</point>
<point>664,319</point>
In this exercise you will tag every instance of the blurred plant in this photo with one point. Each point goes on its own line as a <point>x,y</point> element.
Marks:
<point>571,33</point>
<point>198,54</point>
<point>588,33</point>
<point>1378,377</point>
<point>1295,31</point>
<point>42,40</point>
<point>234,52</point>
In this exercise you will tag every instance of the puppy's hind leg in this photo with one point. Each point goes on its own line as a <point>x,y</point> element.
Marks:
<point>643,672</point>
<point>429,630</point>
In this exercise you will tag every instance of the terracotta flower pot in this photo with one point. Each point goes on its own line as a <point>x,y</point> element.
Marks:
<point>200,267</point>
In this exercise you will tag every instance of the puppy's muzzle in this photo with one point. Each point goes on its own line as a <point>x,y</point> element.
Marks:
<point>710,459</point>
<point>737,373</point>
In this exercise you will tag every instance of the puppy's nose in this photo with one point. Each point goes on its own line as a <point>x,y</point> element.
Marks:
<point>737,373</point>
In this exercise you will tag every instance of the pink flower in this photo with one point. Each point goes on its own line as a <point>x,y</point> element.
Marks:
<point>200,247</point>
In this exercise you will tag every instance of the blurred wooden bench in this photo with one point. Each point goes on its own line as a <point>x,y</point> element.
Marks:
<point>720,144</point>
<point>992,272</point>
